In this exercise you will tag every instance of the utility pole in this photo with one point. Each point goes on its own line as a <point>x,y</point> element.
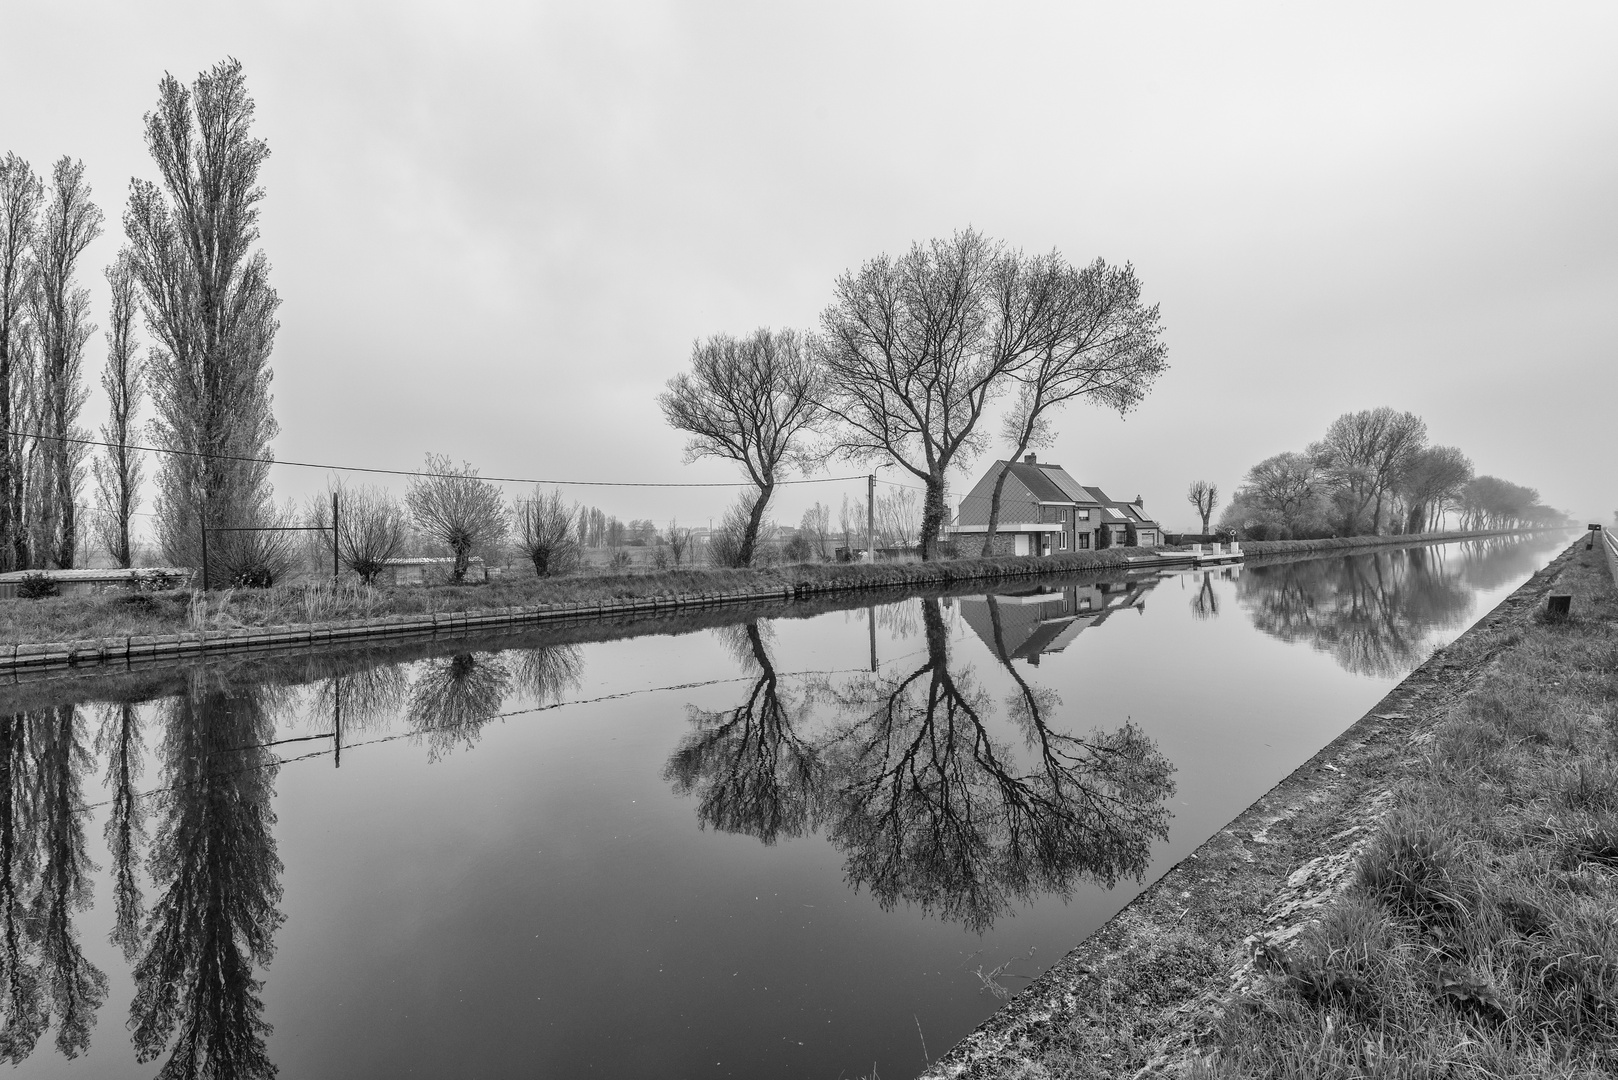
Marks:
<point>870,515</point>
<point>205,551</point>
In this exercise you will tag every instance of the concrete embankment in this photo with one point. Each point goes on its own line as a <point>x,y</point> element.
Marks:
<point>675,591</point>
<point>1133,998</point>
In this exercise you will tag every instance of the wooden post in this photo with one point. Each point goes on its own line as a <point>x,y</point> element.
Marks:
<point>336,567</point>
<point>204,551</point>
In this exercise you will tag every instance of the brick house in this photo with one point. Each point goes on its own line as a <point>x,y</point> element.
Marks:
<point>1044,511</point>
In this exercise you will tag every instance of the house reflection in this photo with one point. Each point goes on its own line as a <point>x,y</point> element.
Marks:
<point>1025,624</point>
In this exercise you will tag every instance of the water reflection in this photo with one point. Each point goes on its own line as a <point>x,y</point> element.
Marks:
<point>216,887</point>
<point>925,802</point>
<point>43,868</point>
<point>1372,613</point>
<point>748,766</point>
<point>954,780</point>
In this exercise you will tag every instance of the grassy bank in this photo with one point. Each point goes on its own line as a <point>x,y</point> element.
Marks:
<point>77,618</point>
<point>115,615</point>
<point>1432,894</point>
<point>1478,934</point>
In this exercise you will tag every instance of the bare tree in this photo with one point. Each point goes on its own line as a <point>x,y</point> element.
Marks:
<point>815,527</point>
<point>455,508</point>
<point>69,222</point>
<point>678,540</point>
<point>1432,485</point>
<point>372,528</point>
<point>1284,486</point>
<point>751,400</point>
<point>916,347</point>
<point>1364,456</point>
<point>848,518</point>
<point>118,469</point>
<point>1100,344</point>
<point>20,195</point>
<point>209,306</point>
<point>1204,496</point>
<point>898,517</point>
<point>545,533</point>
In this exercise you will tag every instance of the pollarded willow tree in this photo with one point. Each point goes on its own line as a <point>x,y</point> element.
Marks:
<point>1204,496</point>
<point>916,347</point>
<point>751,400</point>
<point>1100,344</point>
<point>456,508</point>
<point>206,293</point>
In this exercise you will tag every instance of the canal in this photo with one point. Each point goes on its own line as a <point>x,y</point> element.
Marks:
<point>777,845</point>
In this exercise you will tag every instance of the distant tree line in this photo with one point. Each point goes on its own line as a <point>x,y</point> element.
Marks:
<point>909,355</point>
<point>1374,472</point>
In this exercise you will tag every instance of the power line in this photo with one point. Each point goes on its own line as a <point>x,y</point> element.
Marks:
<point>421,473</point>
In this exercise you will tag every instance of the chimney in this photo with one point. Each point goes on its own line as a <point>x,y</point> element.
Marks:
<point>1030,459</point>
<point>1140,502</point>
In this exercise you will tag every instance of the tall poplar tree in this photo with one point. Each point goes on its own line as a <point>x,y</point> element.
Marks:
<point>118,469</point>
<point>20,196</point>
<point>68,223</point>
<point>209,307</point>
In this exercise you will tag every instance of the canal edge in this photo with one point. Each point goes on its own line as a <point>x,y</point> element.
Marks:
<point>1140,988</point>
<point>29,657</point>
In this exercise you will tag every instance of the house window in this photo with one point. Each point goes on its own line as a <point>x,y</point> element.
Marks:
<point>1061,541</point>
<point>1081,515</point>
<point>1084,541</point>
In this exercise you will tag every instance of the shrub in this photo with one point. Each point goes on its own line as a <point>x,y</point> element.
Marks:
<point>156,581</point>
<point>37,586</point>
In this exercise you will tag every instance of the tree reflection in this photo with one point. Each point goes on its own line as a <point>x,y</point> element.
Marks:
<point>76,988</point>
<point>453,697</point>
<point>216,880</point>
<point>751,771</point>
<point>925,804</point>
<point>1205,605</point>
<point>1372,613</point>
<point>43,871</point>
<point>120,741</point>
<point>547,673</point>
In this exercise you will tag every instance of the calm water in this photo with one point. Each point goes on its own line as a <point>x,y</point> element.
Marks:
<point>717,850</point>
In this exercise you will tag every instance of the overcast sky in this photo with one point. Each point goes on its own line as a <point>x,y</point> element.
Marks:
<point>496,229</point>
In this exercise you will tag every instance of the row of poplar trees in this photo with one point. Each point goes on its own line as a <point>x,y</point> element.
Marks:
<point>191,275</point>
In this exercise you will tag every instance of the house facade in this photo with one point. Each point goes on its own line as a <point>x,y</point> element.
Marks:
<point>1044,511</point>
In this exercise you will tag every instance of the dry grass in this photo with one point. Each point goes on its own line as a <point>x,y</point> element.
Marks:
<point>1480,936</point>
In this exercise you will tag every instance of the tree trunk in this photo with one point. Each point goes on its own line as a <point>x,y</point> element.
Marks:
<point>542,560</point>
<point>932,516</point>
<point>463,559</point>
<point>754,520</point>
<point>994,508</point>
